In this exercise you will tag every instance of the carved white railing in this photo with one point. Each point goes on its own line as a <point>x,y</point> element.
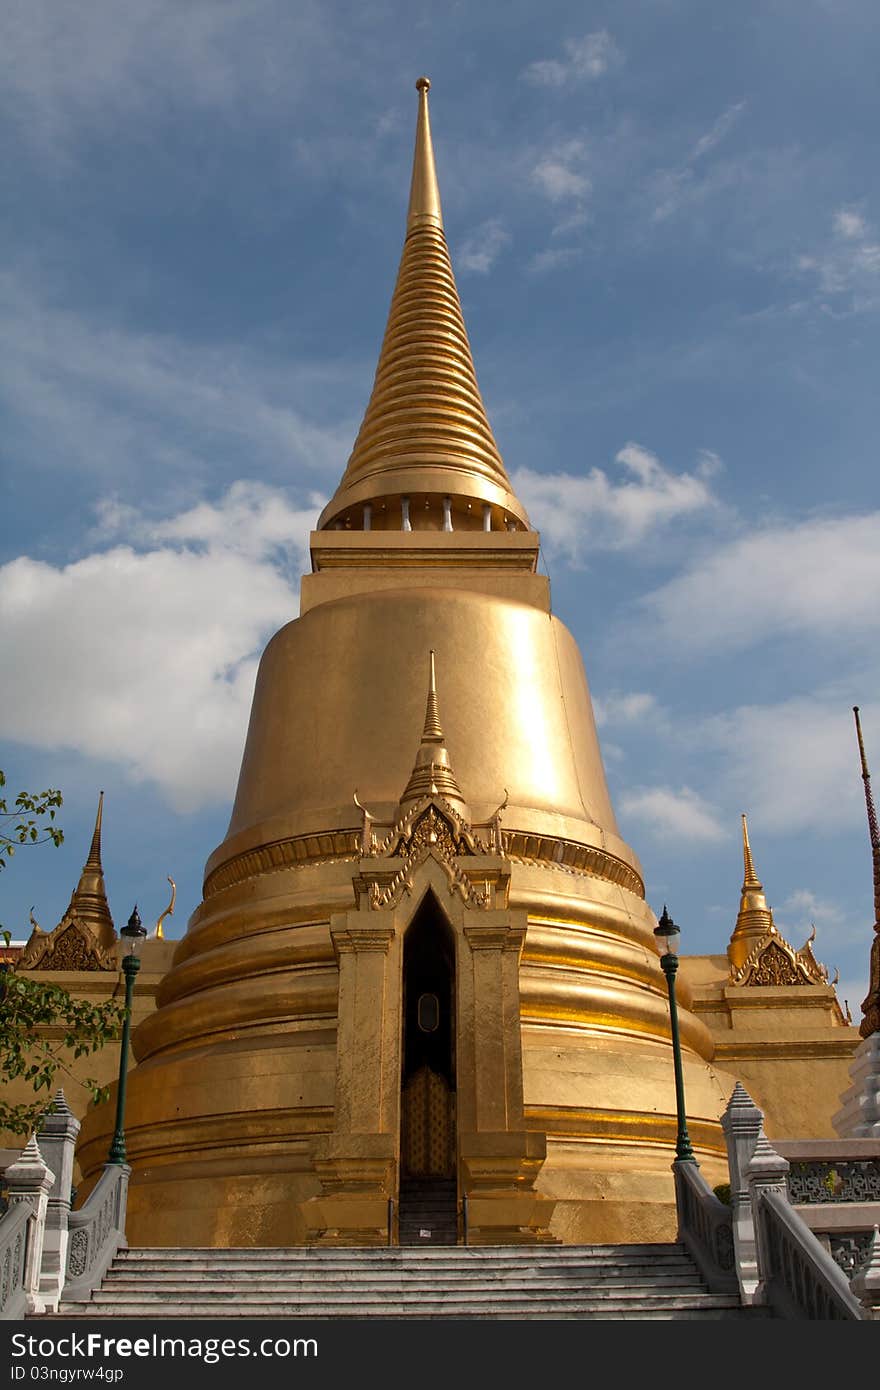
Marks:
<point>705,1227</point>
<point>14,1235</point>
<point>799,1278</point>
<point>779,1262</point>
<point>96,1233</point>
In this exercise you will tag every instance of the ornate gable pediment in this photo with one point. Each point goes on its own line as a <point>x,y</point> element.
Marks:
<point>773,961</point>
<point>431,828</point>
<point>432,825</point>
<point>69,946</point>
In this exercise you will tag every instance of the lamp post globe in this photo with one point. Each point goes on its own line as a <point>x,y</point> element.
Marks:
<point>667,934</point>
<point>132,934</point>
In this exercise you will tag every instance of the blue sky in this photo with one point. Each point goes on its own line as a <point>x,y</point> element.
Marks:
<point>665,225</point>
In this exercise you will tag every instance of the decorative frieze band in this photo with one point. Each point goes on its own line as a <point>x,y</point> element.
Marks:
<point>344,846</point>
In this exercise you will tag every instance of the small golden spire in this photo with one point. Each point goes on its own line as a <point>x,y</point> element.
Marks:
<point>94,859</point>
<point>432,732</point>
<point>871,1003</point>
<point>424,191</point>
<point>432,772</point>
<point>750,878</point>
<point>754,919</point>
<point>88,902</point>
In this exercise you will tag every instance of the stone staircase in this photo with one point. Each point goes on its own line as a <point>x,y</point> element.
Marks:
<point>610,1281</point>
<point>428,1212</point>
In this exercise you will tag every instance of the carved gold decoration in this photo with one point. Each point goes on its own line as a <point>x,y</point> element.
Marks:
<point>70,946</point>
<point>774,962</point>
<point>345,846</point>
<point>432,831</point>
<point>340,846</point>
<point>775,967</point>
<point>169,911</point>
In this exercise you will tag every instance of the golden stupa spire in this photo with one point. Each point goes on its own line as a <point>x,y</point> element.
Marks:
<point>750,878</point>
<point>88,902</point>
<point>432,732</point>
<point>432,773</point>
<point>755,918</point>
<point>425,449</point>
<point>871,1004</point>
<point>424,191</point>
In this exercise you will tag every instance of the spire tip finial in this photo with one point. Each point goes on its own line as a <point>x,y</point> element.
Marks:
<point>423,84</point>
<point>750,878</point>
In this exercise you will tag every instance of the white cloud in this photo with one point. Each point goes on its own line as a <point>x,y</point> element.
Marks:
<point>580,514</point>
<point>78,391</point>
<point>70,69</point>
<point>585,60</point>
<point>633,708</point>
<point>148,659</point>
<point>818,577</point>
<point>792,766</point>
<point>553,258</point>
<point>558,175</point>
<point>836,935</point>
<point>481,249</point>
<point>673,815</point>
<point>847,267</point>
<point>850,225</point>
<point>717,132</point>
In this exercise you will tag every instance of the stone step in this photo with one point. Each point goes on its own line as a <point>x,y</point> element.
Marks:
<point>415,1269</point>
<point>699,1306</point>
<point>579,1278</point>
<point>312,1282</point>
<point>121,1286</point>
<point>249,1296</point>
<point>506,1254</point>
<point>437,1273</point>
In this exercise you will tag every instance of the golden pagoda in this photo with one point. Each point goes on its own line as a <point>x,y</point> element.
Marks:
<point>419,961</point>
<point>85,938</point>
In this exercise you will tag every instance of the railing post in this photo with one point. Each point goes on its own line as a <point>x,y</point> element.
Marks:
<point>866,1284</point>
<point>464,1219</point>
<point>29,1180</point>
<point>57,1140</point>
<point>741,1123</point>
<point>766,1172</point>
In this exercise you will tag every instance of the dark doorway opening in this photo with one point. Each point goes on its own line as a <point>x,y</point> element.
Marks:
<point>428,1189</point>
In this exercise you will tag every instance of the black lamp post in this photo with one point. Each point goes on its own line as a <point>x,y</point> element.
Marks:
<point>667,934</point>
<point>133,932</point>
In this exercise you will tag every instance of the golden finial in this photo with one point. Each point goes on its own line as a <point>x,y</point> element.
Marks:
<point>432,732</point>
<point>169,911</point>
<point>750,878</point>
<point>432,772</point>
<point>424,192</point>
<point>94,859</point>
<point>754,918</point>
<point>88,902</point>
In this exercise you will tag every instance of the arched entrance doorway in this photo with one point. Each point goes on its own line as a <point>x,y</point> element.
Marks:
<point>428,1188</point>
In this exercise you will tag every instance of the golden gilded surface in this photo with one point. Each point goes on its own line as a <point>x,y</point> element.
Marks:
<point>267,1105</point>
<point>425,430</point>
